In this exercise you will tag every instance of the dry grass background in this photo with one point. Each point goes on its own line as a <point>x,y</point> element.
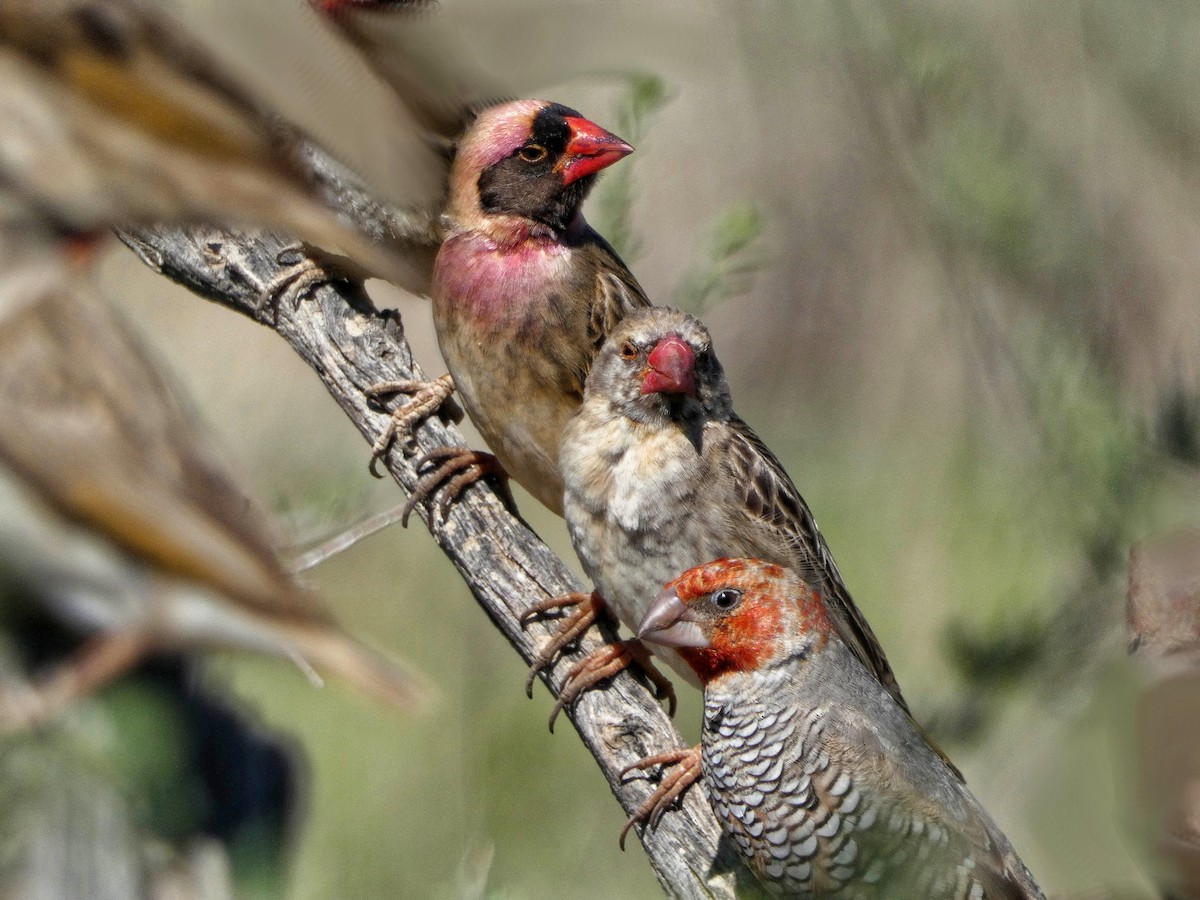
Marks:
<point>974,294</point>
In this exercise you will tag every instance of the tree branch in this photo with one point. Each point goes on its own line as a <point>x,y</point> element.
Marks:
<point>336,330</point>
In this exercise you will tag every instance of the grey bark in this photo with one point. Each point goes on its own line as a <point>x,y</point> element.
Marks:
<point>336,330</point>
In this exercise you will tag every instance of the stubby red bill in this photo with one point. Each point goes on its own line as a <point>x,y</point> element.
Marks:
<point>670,622</point>
<point>672,368</point>
<point>590,149</point>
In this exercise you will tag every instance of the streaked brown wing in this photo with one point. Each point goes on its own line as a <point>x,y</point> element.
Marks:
<point>768,496</point>
<point>617,294</point>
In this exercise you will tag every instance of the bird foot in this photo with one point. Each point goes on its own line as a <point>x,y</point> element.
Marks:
<point>426,397</point>
<point>606,662</point>
<point>684,772</point>
<point>457,469</point>
<point>302,273</point>
<point>587,609</point>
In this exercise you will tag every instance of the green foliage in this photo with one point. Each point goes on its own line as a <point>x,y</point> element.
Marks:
<point>646,95</point>
<point>730,266</point>
<point>1177,425</point>
<point>145,740</point>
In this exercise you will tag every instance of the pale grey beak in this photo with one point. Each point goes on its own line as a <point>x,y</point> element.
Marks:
<point>671,623</point>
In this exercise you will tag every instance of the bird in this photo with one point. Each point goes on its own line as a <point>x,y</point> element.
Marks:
<point>661,475</point>
<point>524,291</point>
<point>817,775</point>
<point>116,513</point>
<point>113,112</point>
<point>117,516</point>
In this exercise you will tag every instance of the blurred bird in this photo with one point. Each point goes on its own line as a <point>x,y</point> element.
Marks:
<point>111,113</point>
<point>1163,625</point>
<point>116,514</point>
<point>818,776</point>
<point>661,475</point>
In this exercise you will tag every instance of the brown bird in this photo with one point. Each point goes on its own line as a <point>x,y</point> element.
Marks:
<point>117,516</point>
<point>818,776</point>
<point>524,291</point>
<point>111,113</point>
<point>115,513</point>
<point>661,475</point>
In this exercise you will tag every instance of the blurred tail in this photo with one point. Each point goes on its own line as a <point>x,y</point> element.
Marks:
<point>331,651</point>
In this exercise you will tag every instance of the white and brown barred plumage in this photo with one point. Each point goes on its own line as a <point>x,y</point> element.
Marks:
<point>822,781</point>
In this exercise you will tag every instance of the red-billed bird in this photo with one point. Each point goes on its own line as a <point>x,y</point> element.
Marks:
<point>819,777</point>
<point>661,475</point>
<point>524,290</point>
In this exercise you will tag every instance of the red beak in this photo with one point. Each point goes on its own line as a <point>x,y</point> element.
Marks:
<point>672,368</point>
<point>590,149</point>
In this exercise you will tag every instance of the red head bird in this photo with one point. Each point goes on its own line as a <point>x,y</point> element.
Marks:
<point>820,778</point>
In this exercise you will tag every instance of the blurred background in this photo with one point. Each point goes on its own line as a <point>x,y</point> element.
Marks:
<point>950,255</point>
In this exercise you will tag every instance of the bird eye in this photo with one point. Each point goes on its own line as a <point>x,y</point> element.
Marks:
<point>533,153</point>
<point>726,599</point>
<point>628,351</point>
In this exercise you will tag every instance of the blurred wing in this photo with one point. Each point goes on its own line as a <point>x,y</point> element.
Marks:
<point>110,114</point>
<point>90,423</point>
<point>767,497</point>
<point>418,52</point>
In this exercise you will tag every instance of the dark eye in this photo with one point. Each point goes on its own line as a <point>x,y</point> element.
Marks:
<point>628,351</point>
<point>533,153</point>
<point>726,599</point>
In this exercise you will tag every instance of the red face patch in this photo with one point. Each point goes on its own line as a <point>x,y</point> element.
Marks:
<point>750,634</point>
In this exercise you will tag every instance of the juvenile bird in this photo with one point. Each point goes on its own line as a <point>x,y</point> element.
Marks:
<point>661,475</point>
<point>819,776</point>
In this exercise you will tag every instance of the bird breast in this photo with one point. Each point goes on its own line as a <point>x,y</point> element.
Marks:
<point>630,504</point>
<point>808,807</point>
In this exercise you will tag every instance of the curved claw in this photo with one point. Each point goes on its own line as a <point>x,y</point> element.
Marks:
<point>605,662</point>
<point>458,468</point>
<point>591,670</point>
<point>426,398</point>
<point>684,772</point>
<point>300,277</point>
<point>588,607</point>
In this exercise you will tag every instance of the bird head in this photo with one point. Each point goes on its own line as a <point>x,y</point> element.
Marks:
<point>658,364</point>
<point>533,159</point>
<point>738,615</point>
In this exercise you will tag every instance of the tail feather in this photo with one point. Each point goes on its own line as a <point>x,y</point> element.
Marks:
<point>328,650</point>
